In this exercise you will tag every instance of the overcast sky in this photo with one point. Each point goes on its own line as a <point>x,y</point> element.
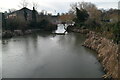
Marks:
<point>56,6</point>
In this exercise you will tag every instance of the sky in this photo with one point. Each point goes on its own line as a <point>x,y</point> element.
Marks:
<point>56,6</point>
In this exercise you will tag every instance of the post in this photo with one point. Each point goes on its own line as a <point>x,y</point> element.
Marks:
<point>1,45</point>
<point>0,25</point>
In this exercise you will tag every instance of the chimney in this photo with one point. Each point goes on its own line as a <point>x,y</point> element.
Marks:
<point>33,8</point>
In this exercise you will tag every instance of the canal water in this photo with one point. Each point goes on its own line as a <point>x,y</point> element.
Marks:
<point>45,55</point>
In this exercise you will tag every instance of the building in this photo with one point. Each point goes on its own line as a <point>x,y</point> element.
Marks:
<point>20,14</point>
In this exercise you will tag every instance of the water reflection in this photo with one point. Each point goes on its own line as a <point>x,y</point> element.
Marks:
<point>44,55</point>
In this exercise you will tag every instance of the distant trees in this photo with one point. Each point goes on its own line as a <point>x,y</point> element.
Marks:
<point>45,25</point>
<point>66,17</point>
<point>106,22</point>
<point>11,10</point>
<point>24,4</point>
<point>94,18</point>
<point>35,5</point>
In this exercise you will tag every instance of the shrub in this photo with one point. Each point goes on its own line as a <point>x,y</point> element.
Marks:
<point>116,32</point>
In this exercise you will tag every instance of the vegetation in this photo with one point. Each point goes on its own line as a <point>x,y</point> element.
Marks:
<point>25,19</point>
<point>104,22</point>
<point>23,23</point>
<point>116,32</point>
<point>17,24</point>
<point>81,17</point>
<point>84,14</point>
<point>43,24</point>
<point>67,17</point>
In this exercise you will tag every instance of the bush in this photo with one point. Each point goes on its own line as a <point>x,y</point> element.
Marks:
<point>51,27</point>
<point>43,24</point>
<point>81,17</point>
<point>12,24</point>
<point>116,32</point>
<point>93,24</point>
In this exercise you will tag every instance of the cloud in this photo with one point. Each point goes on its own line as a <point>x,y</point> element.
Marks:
<point>107,5</point>
<point>58,5</point>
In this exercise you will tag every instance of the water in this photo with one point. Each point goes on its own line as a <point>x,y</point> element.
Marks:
<point>45,55</point>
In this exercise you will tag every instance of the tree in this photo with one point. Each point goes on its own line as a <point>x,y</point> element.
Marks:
<point>11,10</point>
<point>94,13</point>
<point>23,3</point>
<point>116,32</point>
<point>81,16</point>
<point>66,17</point>
<point>3,22</point>
<point>73,8</point>
<point>35,5</point>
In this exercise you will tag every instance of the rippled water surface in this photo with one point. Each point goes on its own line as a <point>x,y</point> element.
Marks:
<point>45,55</point>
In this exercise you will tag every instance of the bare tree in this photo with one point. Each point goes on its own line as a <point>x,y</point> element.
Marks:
<point>82,5</point>
<point>35,5</point>
<point>23,3</point>
<point>73,8</point>
<point>94,13</point>
<point>11,10</point>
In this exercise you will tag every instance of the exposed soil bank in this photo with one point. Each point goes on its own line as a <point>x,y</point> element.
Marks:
<point>108,52</point>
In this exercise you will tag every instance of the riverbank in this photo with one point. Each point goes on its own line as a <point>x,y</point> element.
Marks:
<point>10,34</point>
<point>108,52</point>
<point>13,33</point>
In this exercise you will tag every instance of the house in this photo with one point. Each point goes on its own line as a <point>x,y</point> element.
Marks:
<point>20,14</point>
